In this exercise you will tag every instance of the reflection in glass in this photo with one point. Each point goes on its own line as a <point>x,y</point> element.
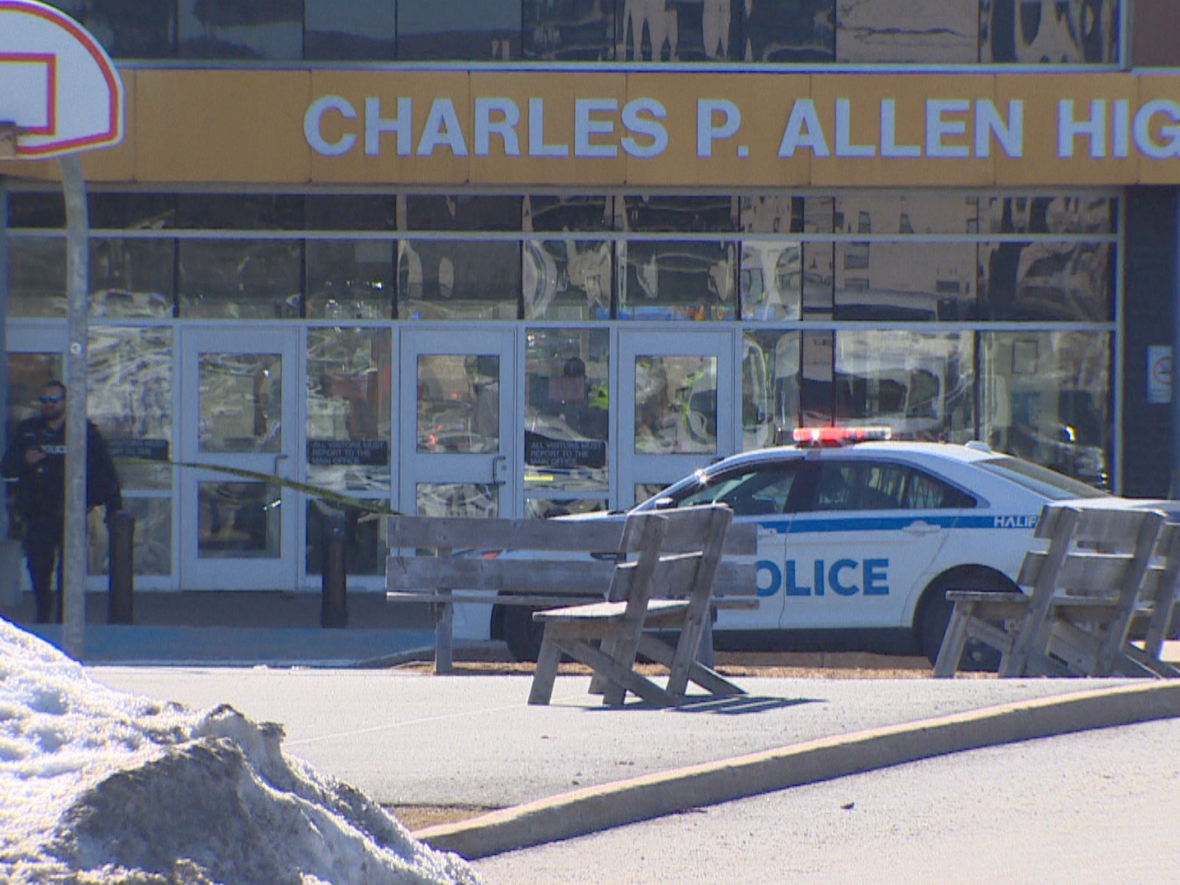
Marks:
<point>566,413</point>
<point>27,374</point>
<point>1049,31</point>
<point>37,284</point>
<point>1079,214</point>
<point>240,402</point>
<point>1042,280</point>
<point>789,31</point>
<point>359,30</point>
<point>677,280</point>
<point>350,212</point>
<point>869,212</point>
<point>547,508</point>
<point>770,386</point>
<point>365,548</point>
<point>921,385</point>
<point>132,279</point>
<point>462,212</point>
<point>348,409</point>
<point>458,279</point>
<point>458,403</point>
<point>876,31</point>
<point>272,30</point>
<point>771,280</point>
<point>458,30</point>
<point>132,211</point>
<point>1046,398</point>
<point>566,279</point>
<point>239,212</point>
<point>349,279</point>
<point>129,397</point>
<point>238,520</point>
<point>37,209</point>
<point>240,279</point>
<point>143,29</point>
<point>153,537</point>
<point>815,389</point>
<point>675,405</point>
<point>569,30</point>
<point>457,499</point>
<point>657,30</point>
<point>905,281</point>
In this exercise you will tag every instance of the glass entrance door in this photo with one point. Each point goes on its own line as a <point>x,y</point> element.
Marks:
<point>459,448</point>
<point>239,391</point>
<point>676,406</point>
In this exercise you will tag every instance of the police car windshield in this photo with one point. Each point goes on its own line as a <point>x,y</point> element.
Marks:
<point>1048,483</point>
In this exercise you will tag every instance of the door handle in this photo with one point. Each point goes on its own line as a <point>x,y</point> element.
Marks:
<point>499,470</point>
<point>921,527</point>
<point>278,458</point>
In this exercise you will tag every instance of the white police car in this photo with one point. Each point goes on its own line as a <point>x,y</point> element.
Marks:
<point>861,537</point>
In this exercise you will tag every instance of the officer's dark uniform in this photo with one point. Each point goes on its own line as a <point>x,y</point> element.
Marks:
<point>41,499</point>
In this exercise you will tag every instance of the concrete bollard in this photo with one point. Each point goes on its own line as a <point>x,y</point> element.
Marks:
<point>121,572</point>
<point>334,566</point>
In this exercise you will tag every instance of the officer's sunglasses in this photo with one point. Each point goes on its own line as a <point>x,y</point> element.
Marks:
<point>52,399</point>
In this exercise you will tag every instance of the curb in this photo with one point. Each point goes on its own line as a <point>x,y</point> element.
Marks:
<point>592,809</point>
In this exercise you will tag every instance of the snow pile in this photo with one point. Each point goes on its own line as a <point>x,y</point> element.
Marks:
<point>101,787</point>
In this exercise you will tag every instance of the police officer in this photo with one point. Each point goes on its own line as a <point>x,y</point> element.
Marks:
<point>36,458</point>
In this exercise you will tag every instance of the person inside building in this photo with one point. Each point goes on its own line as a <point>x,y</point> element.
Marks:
<point>36,459</point>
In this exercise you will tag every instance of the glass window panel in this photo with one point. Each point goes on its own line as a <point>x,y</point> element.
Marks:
<point>679,31</point>
<point>138,29</point>
<point>922,385</point>
<point>1048,281</point>
<point>1046,397</point>
<point>815,389</point>
<point>35,209</point>
<point>778,214</point>
<point>132,279</point>
<point>129,396</point>
<point>789,31</point>
<point>463,213</point>
<point>457,499</point>
<point>350,212</point>
<point>27,374</point>
<point>567,213</point>
<point>132,211</point>
<point>458,30</point>
<point>905,281</point>
<point>1049,31</point>
<point>660,214</point>
<point>239,212</point>
<point>240,279</point>
<point>547,508</point>
<point>569,30</point>
<point>875,31</point>
<point>365,548</point>
<point>770,386</point>
<point>771,280</point>
<point>566,279</point>
<point>678,280</point>
<point>152,543</point>
<point>238,520</point>
<point>567,409</point>
<point>675,405</point>
<point>349,422</point>
<point>458,403</point>
<point>241,403</point>
<point>244,29</point>
<point>819,280</point>
<point>866,212</point>
<point>1079,214</point>
<point>458,279</point>
<point>37,277</point>
<point>359,30</point>
<point>350,279</point>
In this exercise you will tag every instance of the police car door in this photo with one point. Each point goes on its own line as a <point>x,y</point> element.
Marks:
<point>863,540</point>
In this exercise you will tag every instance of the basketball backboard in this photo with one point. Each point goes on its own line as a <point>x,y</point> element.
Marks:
<point>57,84</point>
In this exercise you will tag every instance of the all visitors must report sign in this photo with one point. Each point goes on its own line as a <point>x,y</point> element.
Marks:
<point>669,128</point>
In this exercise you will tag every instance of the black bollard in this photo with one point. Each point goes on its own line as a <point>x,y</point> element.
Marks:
<point>334,611</point>
<point>121,529</point>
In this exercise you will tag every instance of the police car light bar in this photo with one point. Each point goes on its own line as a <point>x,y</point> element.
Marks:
<point>834,436</point>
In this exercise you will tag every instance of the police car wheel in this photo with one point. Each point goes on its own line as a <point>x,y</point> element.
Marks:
<point>935,614</point>
<point>521,633</point>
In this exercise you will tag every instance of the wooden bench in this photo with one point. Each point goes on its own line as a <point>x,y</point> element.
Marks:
<point>658,590</point>
<point>448,560</point>
<point>1105,572</point>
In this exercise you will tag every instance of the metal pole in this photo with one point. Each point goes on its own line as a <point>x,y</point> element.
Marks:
<point>4,338</point>
<point>74,546</point>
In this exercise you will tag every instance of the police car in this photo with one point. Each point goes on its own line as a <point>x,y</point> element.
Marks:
<point>860,537</point>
